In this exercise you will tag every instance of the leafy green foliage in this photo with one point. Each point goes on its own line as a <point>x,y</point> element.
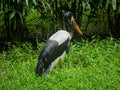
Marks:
<point>100,16</point>
<point>14,13</point>
<point>89,65</point>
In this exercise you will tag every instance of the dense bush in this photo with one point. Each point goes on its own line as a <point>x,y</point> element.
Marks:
<point>15,16</point>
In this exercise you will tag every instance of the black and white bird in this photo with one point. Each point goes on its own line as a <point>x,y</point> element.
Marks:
<point>57,46</point>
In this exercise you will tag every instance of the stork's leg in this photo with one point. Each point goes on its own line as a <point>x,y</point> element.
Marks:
<point>68,47</point>
<point>62,58</point>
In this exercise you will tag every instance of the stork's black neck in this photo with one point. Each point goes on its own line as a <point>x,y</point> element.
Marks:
<point>71,31</point>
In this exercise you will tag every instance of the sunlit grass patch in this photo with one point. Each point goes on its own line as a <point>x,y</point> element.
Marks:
<point>89,65</point>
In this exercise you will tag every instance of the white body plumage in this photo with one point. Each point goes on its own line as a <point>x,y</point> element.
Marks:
<point>60,36</point>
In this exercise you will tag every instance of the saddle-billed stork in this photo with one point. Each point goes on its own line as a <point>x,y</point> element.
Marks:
<point>57,46</point>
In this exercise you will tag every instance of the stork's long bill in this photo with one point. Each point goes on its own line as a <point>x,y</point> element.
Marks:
<point>73,22</point>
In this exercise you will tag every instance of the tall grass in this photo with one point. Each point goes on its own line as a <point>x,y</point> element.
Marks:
<point>91,65</point>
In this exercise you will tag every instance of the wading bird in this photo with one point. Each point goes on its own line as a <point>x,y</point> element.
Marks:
<point>57,46</point>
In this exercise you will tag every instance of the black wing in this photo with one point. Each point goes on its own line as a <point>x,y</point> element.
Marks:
<point>50,52</point>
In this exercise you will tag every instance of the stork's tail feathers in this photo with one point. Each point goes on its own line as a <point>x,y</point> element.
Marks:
<point>40,68</point>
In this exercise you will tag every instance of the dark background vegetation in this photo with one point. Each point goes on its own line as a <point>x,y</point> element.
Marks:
<point>31,20</point>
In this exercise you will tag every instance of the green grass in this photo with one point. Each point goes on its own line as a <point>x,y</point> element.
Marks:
<point>91,65</point>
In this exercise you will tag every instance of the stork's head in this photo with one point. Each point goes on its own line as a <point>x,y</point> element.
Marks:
<point>69,20</point>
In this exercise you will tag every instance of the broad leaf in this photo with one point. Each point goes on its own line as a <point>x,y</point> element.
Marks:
<point>12,14</point>
<point>21,17</point>
<point>26,2</point>
<point>114,4</point>
<point>34,1</point>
